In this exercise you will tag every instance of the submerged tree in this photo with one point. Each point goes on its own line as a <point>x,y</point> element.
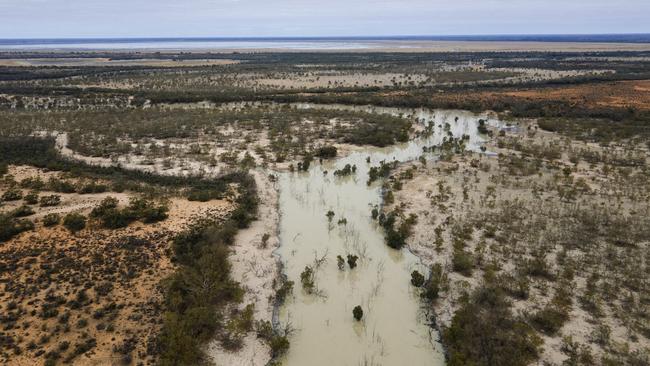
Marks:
<point>357,312</point>
<point>352,261</point>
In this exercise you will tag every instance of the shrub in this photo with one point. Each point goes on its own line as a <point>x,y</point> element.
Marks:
<point>35,183</point>
<point>52,200</point>
<point>395,239</point>
<point>462,262</point>
<point>485,332</point>
<point>139,208</point>
<point>22,211</point>
<point>10,227</point>
<point>93,187</point>
<point>357,313</point>
<point>147,210</point>
<point>12,194</point>
<point>326,152</point>
<point>108,203</point>
<point>434,283</point>
<point>307,279</point>
<point>549,320</point>
<point>417,279</point>
<point>62,186</point>
<point>31,198</point>
<point>284,291</point>
<point>74,222</point>
<point>51,219</point>
<point>340,262</point>
<point>279,346</point>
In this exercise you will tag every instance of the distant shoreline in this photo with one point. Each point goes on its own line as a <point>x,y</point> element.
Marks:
<point>485,43</point>
<point>563,38</point>
<point>331,46</point>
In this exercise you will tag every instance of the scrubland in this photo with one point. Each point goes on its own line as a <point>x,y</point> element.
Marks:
<point>138,214</point>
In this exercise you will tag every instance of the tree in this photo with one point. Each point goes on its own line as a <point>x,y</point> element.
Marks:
<point>357,312</point>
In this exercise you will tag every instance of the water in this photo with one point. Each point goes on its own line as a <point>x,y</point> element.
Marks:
<point>394,330</point>
<point>292,43</point>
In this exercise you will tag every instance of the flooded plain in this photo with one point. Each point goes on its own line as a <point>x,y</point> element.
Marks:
<point>395,328</point>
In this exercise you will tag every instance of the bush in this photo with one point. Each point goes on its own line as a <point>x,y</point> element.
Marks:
<point>10,227</point>
<point>51,219</point>
<point>357,313</point>
<point>62,186</point>
<point>417,279</point>
<point>12,194</point>
<point>74,222</point>
<point>307,279</point>
<point>31,198</point>
<point>139,208</point>
<point>279,346</point>
<point>107,204</point>
<point>22,211</point>
<point>326,152</point>
<point>93,187</point>
<point>49,201</point>
<point>462,262</point>
<point>485,332</point>
<point>549,320</point>
<point>434,283</point>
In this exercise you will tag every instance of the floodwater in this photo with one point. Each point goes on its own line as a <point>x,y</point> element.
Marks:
<point>394,329</point>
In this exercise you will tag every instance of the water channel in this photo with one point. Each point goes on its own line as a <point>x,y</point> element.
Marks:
<point>394,329</point>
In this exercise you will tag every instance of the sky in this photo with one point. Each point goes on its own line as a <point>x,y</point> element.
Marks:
<point>268,18</point>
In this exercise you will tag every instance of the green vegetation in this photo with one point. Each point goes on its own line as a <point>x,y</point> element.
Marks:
<point>194,312</point>
<point>417,279</point>
<point>74,222</point>
<point>485,332</point>
<point>326,152</point>
<point>49,201</point>
<point>111,217</point>
<point>51,219</point>
<point>307,279</point>
<point>10,226</point>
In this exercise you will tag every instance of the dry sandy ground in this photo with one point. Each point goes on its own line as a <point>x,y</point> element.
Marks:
<point>253,265</point>
<point>92,256</point>
<point>615,94</point>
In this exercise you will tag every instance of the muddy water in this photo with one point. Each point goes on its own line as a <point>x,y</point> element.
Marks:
<point>394,329</point>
